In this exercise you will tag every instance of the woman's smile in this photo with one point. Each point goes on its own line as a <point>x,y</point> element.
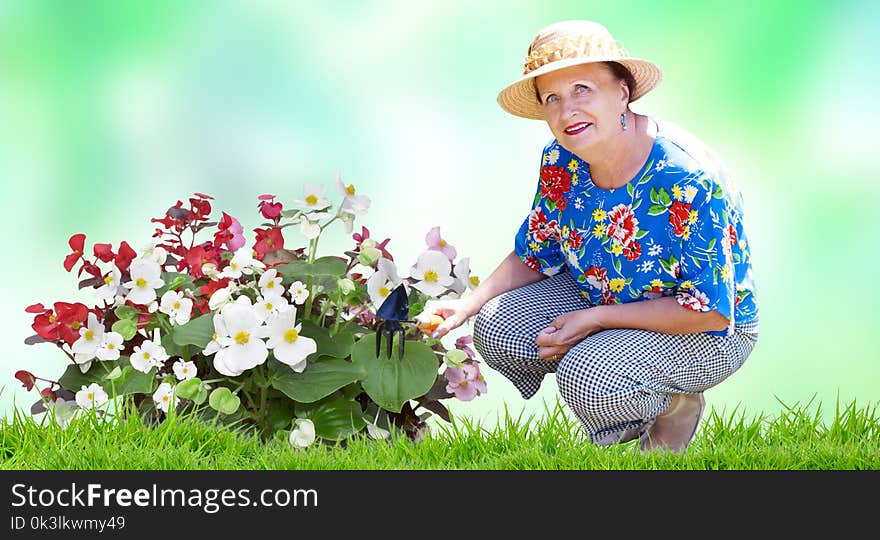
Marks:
<point>577,128</point>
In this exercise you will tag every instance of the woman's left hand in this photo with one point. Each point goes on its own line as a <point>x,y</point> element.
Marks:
<point>566,331</point>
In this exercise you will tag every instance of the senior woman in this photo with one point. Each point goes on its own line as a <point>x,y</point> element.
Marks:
<point>630,277</point>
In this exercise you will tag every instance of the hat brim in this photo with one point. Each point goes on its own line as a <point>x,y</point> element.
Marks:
<point>519,98</point>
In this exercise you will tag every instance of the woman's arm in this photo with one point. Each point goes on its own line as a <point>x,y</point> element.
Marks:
<point>664,315</point>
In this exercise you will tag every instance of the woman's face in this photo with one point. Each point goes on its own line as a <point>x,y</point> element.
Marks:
<point>582,105</point>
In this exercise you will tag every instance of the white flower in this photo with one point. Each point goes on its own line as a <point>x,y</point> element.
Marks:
<point>286,342</point>
<point>145,279</point>
<point>210,270</point>
<point>655,249</point>
<point>148,355</point>
<point>176,306</point>
<point>219,298</point>
<point>463,279</point>
<point>111,287</point>
<point>432,270</point>
<point>270,283</point>
<point>308,228</point>
<point>303,435</point>
<point>219,330</point>
<point>242,347</point>
<point>242,262</point>
<point>110,347</point>
<point>152,252</point>
<point>162,397</point>
<point>184,370</point>
<point>689,193</point>
<point>90,338</point>
<point>298,292</point>
<point>314,197</point>
<point>383,281</point>
<point>91,396</point>
<point>267,307</point>
<point>352,203</point>
<point>578,203</point>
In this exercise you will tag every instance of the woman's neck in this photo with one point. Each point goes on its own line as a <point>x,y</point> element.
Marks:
<point>623,160</point>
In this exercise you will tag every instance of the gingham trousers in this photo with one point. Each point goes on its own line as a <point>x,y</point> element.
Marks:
<point>615,381</point>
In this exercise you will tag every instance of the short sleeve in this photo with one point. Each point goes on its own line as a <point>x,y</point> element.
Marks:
<point>706,266</point>
<point>537,242</point>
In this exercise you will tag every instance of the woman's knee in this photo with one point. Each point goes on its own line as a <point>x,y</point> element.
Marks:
<point>588,384</point>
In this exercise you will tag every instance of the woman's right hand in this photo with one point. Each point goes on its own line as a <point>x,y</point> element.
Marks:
<point>454,312</point>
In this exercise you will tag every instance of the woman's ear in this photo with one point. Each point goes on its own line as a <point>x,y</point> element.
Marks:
<point>624,92</point>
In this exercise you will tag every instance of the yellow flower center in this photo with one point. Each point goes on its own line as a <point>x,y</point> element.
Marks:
<point>185,370</point>
<point>111,346</point>
<point>141,282</point>
<point>52,318</point>
<point>268,306</point>
<point>475,281</point>
<point>176,305</point>
<point>291,335</point>
<point>91,396</point>
<point>108,280</point>
<point>349,189</point>
<point>146,356</point>
<point>234,265</point>
<point>214,336</point>
<point>384,291</point>
<point>75,325</point>
<point>89,335</point>
<point>166,398</point>
<point>270,285</point>
<point>442,243</point>
<point>242,337</point>
<point>430,276</point>
<point>463,384</point>
<point>311,199</point>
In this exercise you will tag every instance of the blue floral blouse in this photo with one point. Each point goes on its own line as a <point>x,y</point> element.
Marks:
<point>675,229</point>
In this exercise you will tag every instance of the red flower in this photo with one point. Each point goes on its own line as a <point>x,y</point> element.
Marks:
<point>574,239</point>
<point>268,240</point>
<point>64,323</point>
<point>555,181</point>
<point>27,379</point>
<point>532,263</point>
<point>125,256</point>
<point>623,225</point>
<point>194,260</point>
<point>270,210</point>
<point>200,209</point>
<point>76,243</point>
<point>678,217</point>
<point>597,277</point>
<point>539,226</point>
<point>104,252</point>
<point>608,298</point>
<point>212,286</point>
<point>561,204</point>
<point>632,251</point>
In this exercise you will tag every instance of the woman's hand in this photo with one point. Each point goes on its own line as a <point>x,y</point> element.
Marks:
<point>566,331</point>
<point>454,312</point>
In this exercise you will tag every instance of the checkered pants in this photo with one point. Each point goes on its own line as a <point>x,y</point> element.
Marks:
<point>615,381</point>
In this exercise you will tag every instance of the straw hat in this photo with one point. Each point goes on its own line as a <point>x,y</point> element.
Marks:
<point>570,43</point>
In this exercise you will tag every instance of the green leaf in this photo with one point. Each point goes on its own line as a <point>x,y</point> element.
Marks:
<point>280,413</point>
<point>654,198</point>
<point>641,234</point>
<point>336,419</point>
<point>339,346</point>
<point>664,197</point>
<point>189,388</point>
<point>321,378</point>
<point>172,348</point>
<point>656,210</point>
<point>322,266</point>
<point>198,331</point>
<point>133,381</point>
<point>391,382</point>
<point>629,188</point>
<point>617,264</point>
<point>126,327</point>
<point>115,374</point>
<point>173,280</point>
<point>222,400</point>
<point>129,381</point>
<point>126,312</point>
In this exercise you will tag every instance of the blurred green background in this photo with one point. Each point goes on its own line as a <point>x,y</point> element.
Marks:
<point>112,111</point>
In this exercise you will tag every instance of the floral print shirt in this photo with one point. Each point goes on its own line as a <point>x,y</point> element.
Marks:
<point>675,229</point>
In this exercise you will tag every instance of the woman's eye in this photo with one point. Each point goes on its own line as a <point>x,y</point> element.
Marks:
<point>551,99</point>
<point>580,88</point>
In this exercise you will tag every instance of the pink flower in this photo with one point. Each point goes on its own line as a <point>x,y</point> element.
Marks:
<point>465,382</point>
<point>437,243</point>
<point>462,344</point>
<point>269,209</point>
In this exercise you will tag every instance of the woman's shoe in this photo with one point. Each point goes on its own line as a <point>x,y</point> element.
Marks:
<point>675,428</point>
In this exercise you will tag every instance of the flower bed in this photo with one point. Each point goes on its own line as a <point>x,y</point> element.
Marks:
<point>270,337</point>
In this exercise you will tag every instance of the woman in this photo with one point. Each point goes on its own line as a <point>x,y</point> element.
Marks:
<point>630,278</point>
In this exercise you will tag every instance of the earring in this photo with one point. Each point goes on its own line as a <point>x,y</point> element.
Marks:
<point>623,121</point>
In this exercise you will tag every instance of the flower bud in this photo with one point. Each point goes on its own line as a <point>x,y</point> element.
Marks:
<point>154,305</point>
<point>346,286</point>
<point>368,255</point>
<point>455,358</point>
<point>210,270</point>
<point>220,297</point>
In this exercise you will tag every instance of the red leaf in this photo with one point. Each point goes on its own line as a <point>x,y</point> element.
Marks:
<point>49,394</point>
<point>26,377</point>
<point>36,308</point>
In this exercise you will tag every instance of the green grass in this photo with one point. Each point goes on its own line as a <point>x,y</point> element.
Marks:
<point>795,439</point>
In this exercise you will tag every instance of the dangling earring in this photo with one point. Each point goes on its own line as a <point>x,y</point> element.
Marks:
<point>623,121</point>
